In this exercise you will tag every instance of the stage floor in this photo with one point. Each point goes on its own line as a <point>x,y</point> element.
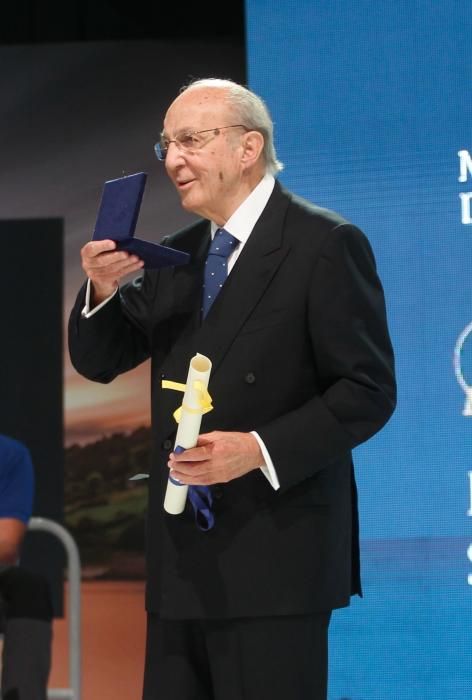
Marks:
<point>113,637</point>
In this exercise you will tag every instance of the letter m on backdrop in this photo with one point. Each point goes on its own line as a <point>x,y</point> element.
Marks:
<point>465,165</point>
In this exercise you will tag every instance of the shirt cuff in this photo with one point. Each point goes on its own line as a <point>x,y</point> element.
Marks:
<point>268,468</point>
<point>86,312</point>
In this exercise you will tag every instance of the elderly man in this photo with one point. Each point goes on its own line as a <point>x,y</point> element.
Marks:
<point>302,373</point>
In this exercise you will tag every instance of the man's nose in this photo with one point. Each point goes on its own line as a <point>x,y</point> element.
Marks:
<point>174,156</point>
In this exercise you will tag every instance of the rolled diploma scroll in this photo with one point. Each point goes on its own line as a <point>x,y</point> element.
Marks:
<point>189,427</point>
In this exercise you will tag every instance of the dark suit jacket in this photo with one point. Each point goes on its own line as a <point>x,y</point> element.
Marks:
<point>301,354</point>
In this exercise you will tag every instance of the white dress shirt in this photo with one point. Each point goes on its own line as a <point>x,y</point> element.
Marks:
<point>240,225</point>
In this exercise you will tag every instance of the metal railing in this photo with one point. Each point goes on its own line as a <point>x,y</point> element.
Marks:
<point>73,607</point>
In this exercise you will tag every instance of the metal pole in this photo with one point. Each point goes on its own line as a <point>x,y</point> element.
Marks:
<point>73,568</point>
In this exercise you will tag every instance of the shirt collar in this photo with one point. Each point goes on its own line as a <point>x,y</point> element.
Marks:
<point>243,220</point>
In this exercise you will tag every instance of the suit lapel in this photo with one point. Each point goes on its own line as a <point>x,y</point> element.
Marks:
<point>186,290</point>
<point>188,279</point>
<point>252,273</point>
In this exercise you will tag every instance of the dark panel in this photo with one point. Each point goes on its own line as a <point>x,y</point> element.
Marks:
<point>31,361</point>
<point>30,21</point>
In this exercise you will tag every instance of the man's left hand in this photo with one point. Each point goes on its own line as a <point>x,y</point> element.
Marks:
<point>217,458</point>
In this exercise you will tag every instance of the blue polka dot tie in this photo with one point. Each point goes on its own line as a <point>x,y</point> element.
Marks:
<point>216,267</point>
<point>216,272</point>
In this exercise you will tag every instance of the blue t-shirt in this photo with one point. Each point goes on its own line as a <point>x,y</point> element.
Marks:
<point>16,480</point>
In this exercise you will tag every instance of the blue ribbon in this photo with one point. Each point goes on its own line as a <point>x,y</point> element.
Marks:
<point>201,499</point>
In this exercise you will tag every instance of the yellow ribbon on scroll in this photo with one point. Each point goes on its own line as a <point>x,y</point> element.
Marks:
<point>203,398</point>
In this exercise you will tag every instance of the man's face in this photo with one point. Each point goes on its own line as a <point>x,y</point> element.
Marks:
<point>208,179</point>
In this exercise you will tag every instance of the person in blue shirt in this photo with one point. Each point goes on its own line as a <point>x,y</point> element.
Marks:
<point>25,602</point>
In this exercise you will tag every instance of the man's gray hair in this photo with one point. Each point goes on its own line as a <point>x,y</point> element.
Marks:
<point>251,111</point>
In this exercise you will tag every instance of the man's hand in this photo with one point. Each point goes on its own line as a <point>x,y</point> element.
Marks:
<point>105,266</point>
<point>218,457</point>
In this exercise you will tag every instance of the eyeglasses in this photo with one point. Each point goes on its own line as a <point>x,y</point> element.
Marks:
<point>191,141</point>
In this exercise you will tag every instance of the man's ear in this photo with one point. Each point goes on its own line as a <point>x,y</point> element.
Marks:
<point>253,143</point>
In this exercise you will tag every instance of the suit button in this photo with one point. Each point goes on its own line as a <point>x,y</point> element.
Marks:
<point>167,445</point>
<point>217,492</point>
<point>250,378</point>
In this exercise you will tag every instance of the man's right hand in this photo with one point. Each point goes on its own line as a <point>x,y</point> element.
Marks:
<point>104,265</point>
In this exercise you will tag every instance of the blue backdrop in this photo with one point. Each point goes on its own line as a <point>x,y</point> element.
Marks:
<point>371,102</point>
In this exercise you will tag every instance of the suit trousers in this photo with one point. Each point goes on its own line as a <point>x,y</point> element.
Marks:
<point>262,658</point>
